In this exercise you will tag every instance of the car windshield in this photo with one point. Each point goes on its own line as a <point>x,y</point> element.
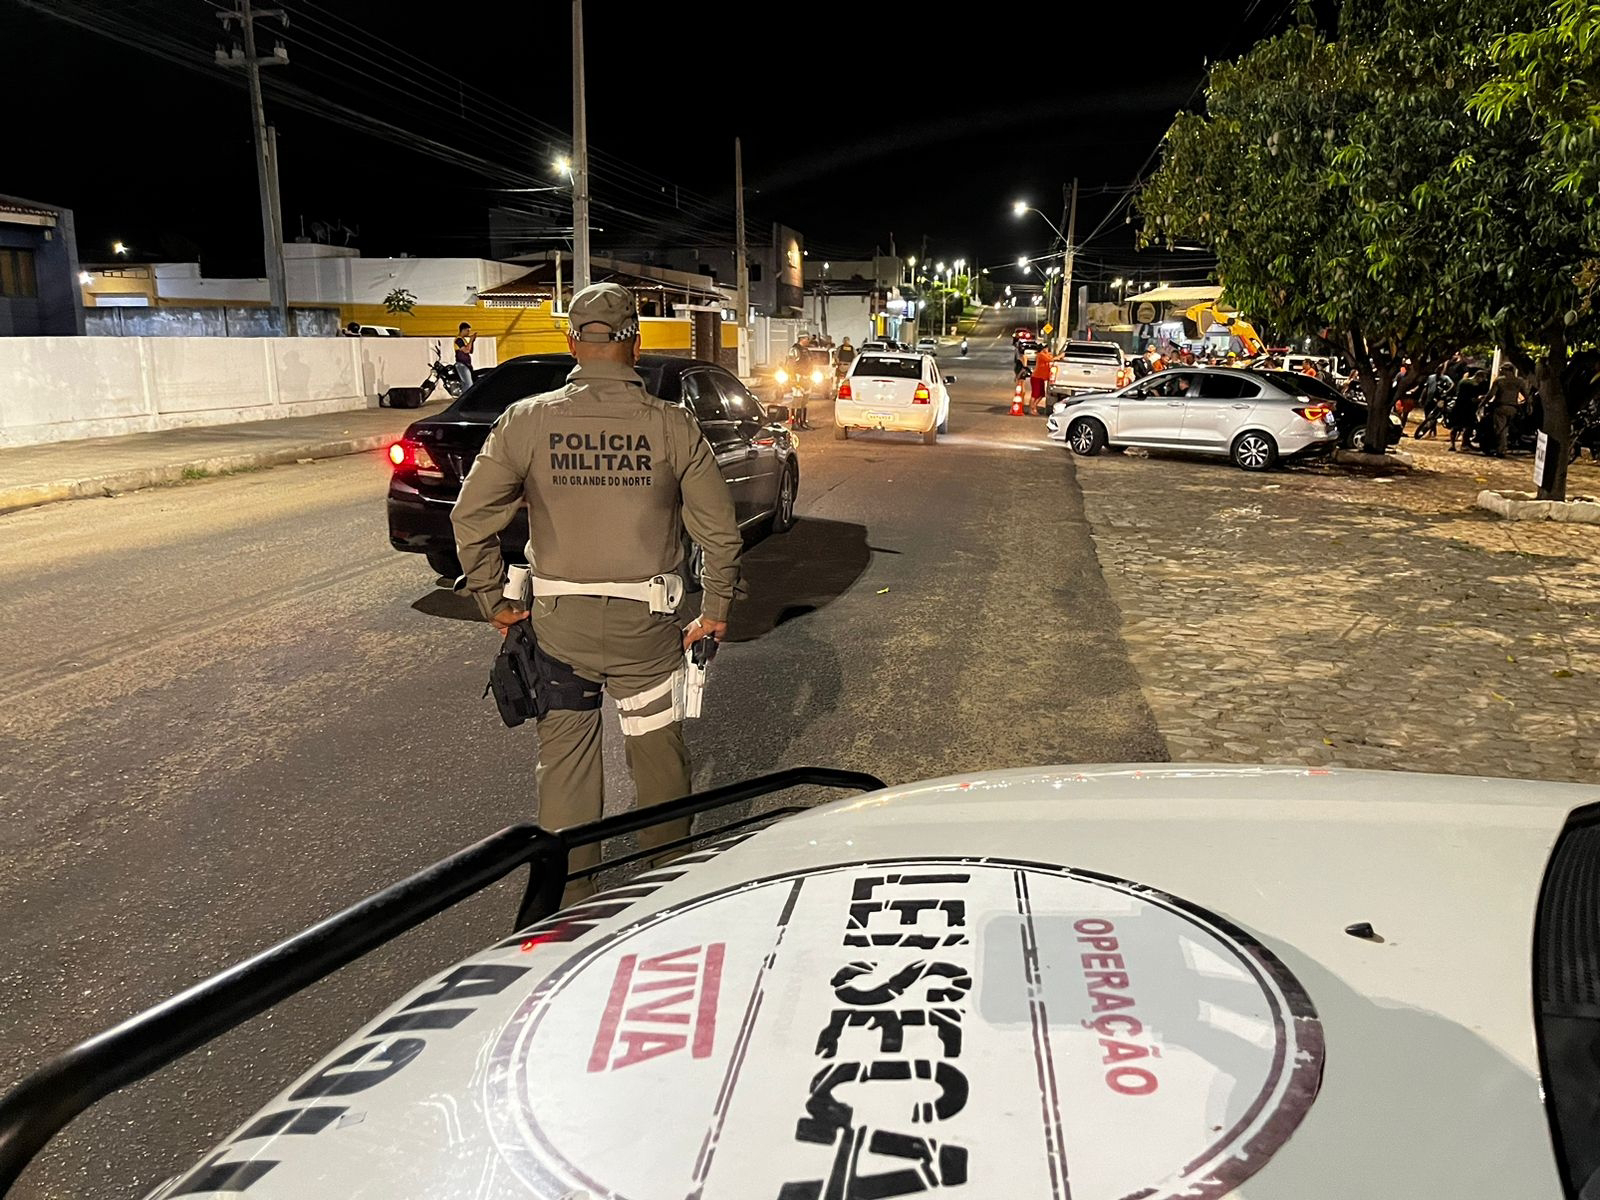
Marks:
<point>1297,384</point>
<point>816,357</point>
<point>889,368</point>
<point>515,381</point>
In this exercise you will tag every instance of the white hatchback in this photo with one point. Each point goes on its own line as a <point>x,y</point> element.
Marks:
<point>896,392</point>
<point>1255,418</point>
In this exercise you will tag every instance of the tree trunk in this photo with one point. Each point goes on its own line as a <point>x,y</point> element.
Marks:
<point>1375,378</point>
<point>1557,421</point>
<point>1377,382</point>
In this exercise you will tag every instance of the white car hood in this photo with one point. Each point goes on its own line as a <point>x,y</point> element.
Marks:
<point>1095,983</point>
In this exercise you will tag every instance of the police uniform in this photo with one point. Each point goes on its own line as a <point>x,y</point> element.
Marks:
<point>611,476</point>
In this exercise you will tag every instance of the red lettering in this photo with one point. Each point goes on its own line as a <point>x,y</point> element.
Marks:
<point>1107,1001</point>
<point>1100,943</point>
<point>1093,925</point>
<point>1106,979</point>
<point>1101,960</point>
<point>1131,1081</point>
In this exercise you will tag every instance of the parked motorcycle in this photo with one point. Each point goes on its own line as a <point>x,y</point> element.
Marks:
<point>444,373</point>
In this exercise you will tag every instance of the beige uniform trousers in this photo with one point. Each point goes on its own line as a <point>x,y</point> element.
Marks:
<point>625,646</point>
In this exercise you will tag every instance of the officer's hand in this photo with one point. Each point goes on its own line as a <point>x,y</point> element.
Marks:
<point>507,617</point>
<point>699,627</point>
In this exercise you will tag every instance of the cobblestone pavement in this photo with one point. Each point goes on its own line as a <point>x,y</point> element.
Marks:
<point>1329,616</point>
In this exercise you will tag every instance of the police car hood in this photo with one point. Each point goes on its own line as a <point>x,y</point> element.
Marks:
<point>1096,983</point>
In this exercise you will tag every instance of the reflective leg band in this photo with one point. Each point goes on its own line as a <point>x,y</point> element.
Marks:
<point>634,726</point>
<point>670,688</point>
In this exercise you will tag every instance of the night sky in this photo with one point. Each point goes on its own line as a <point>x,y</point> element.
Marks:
<point>855,126</point>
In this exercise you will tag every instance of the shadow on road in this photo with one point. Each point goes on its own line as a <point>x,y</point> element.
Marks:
<point>452,606</point>
<point>788,577</point>
<point>795,575</point>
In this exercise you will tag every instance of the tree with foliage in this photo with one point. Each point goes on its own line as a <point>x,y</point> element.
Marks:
<point>1346,185</point>
<point>1537,215</point>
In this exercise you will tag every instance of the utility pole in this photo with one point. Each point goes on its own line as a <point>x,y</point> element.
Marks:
<point>580,157</point>
<point>741,259</point>
<point>741,252</point>
<point>1063,328</point>
<point>266,180</point>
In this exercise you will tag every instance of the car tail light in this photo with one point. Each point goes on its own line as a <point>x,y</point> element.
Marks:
<point>1315,412</point>
<point>1054,368</point>
<point>844,390</point>
<point>412,456</point>
<point>922,395</point>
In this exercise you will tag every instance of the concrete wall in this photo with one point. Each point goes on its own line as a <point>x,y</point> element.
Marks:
<point>55,389</point>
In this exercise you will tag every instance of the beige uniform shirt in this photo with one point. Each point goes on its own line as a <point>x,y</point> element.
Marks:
<point>609,474</point>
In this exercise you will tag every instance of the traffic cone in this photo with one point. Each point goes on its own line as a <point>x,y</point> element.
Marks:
<point>1017,402</point>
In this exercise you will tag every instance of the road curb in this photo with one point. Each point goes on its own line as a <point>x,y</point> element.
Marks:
<point>33,495</point>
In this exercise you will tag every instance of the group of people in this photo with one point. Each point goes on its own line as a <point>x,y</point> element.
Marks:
<point>1479,413</point>
<point>1035,374</point>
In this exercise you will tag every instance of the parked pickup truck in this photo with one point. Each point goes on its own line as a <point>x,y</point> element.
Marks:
<point>1088,367</point>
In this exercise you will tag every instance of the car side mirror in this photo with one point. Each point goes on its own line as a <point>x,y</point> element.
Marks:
<point>778,414</point>
<point>949,378</point>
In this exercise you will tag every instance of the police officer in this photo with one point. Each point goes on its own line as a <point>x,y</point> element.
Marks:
<point>611,476</point>
<point>1506,398</point>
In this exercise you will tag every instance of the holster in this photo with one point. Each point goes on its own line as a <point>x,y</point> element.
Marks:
<point>527,682</point>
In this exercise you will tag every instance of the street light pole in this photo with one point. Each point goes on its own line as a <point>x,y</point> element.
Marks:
<point>580,157</point>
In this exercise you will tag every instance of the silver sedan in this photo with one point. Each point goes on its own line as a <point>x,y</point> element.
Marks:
<point>1254,418</point>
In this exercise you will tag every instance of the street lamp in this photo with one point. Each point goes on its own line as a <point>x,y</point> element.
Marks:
<point>1022,261</point>
<point>1021,207</point>
<point>120,248</point>
<point>563,165</point>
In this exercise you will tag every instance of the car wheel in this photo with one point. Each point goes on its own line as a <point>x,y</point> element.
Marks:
<point>840,433</point>
<point>444,563</point>
<point>1356,439</point>
<point>931,437</point>
<point>783,514</point>
<point>1086,436</point>
<point>944,425</point>
<point>694,564</point>
<point>1254,451</point>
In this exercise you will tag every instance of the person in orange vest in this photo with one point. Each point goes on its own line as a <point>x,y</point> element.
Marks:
<point>1041,378</point>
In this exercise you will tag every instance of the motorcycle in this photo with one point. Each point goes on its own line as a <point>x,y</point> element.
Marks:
<point>963,347</point>
<point>444,373</point>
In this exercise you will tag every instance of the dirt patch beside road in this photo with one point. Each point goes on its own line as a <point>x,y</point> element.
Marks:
<point>1322,616</point>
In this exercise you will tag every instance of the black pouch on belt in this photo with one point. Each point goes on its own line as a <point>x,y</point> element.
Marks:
<point>527,682</point>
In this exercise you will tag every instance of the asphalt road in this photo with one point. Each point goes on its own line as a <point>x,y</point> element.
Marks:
<point>228,709</point>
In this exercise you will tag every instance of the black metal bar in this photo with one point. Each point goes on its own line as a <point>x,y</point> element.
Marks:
<point>732,793</point>
<point>42,1105</point>
<point>678,843</point>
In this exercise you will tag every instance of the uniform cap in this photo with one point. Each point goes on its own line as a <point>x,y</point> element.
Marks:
<point>608,304</point>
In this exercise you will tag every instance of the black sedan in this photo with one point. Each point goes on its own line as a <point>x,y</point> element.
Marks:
<point>754,449</point>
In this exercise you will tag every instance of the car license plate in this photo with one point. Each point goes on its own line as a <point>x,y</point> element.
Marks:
<point>877,416</point>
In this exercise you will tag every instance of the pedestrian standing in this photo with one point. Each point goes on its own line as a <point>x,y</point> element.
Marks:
<point>1040,378</point>
<point>845,356</point>
<point>1461,411</point>
<point>466,339</point>
<point>611,477</point>
<point>1506,397</point>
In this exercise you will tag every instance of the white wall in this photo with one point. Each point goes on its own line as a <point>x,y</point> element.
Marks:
<point>58,389</point>
<point>434,281</point>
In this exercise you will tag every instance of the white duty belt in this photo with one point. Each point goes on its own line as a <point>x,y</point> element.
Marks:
<point>663,593</point>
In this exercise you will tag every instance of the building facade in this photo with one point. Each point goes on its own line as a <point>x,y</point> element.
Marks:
<point>38,271</point>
